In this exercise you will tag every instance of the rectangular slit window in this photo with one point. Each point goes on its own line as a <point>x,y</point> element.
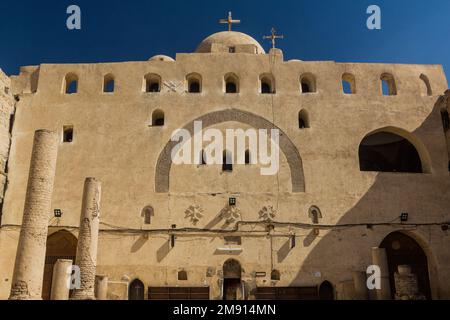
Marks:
<point>68,134</point>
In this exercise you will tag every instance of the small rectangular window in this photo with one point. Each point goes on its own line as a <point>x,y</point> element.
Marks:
<point>67,134</point>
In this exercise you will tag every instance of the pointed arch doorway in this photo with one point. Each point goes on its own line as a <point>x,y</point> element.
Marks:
<point>232,284</point>
<point>60,245</point>
<point>401,249</point>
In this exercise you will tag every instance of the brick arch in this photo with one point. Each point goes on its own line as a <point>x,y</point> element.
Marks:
<point>164,163</point>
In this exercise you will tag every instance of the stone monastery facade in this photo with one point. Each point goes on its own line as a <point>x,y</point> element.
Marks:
<point>87,178</point>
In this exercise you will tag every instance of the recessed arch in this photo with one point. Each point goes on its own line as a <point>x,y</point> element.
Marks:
<point>348,83</point>
<point>288,148</point>
<point>275,275</point>
<point>267,83</point>
<point>108,83</point>
<point>158,118</point>
<point>326,291</point>
<point>232,274</point>
<point>426,86</point>
<point>303,119</point>
<point>402,249</point>
<point>392,149</point>
<point>194,83</point>
<point>308,83</point>
<point>231,83</point>
<point>60,244</point>
<point>152,83</point>
<point>70,83</point>
<point>388,85</point>
<point>136,290</point>
<point>148,213</point>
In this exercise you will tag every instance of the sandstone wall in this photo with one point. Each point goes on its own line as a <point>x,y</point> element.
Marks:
<point>114,142</point>
<point>6,120</point>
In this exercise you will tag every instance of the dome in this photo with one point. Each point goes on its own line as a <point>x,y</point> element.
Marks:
<point>160,57</point>
<point>229,39</point>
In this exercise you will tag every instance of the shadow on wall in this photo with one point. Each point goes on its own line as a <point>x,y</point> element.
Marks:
<point>340,252</point>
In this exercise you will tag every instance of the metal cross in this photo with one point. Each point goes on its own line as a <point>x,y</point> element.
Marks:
<point>229,21</point>
<point>273,37</point>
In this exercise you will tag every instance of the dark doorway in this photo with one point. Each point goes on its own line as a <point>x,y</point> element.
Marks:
<point>326,291</point>
<point>136,290</point>
<point>388,152</point>
<point>60,245</point>
<point>404,250</point>
<point>232,284</point>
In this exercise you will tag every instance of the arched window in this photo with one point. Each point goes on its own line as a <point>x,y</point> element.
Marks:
<point>147,214</point>
<point>248,158</point>
<point>108,83</point>
<point>152,83</point>
<point>158,118</point>
<point>307,83</point>
<point>388,86</point>
<point>70,83</point>
<point>445,120</point>
<point>275,275</point>
<point>182,275</point>
<point>326,291</point>
<point>426,86</point>
<point>388,152</point>
<point>231,83</point>
<point>194,83</point>
<point>267,84</point>
<point>136,290</point>
<point>303,119</point>
<point>315,214</point>
<point>227,164</point>
<point>348,83</point>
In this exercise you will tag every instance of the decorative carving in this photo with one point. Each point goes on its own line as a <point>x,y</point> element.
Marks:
<point>173,86</point>
<point>289,149</point>
<point>230,214</point>
<point>267,213</point>
<point>194,213</point>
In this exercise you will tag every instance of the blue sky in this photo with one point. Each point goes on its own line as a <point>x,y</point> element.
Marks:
<point>34,32</point>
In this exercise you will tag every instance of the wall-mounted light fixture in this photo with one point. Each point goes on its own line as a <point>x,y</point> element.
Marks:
<point>404,217</point>
<point>232,202</point>
<point>57,213</point>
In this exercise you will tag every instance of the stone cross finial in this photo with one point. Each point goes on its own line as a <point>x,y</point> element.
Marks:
<point>273,37</point>
<point>229,21</point>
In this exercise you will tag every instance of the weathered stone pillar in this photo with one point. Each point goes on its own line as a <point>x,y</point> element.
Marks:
<point>61,280</point>
<point>101,287</point>
<point>379,258</point>
<point>360,283</point>
<point>30,257</point>
<point>88,239</point>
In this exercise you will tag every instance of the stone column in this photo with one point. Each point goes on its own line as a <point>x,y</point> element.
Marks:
<point>88,239</point>
<point>360,283</point>
<point>61,280</point>
<point>101,287</point>
<point>379,258</point>
<point>30,257</point>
